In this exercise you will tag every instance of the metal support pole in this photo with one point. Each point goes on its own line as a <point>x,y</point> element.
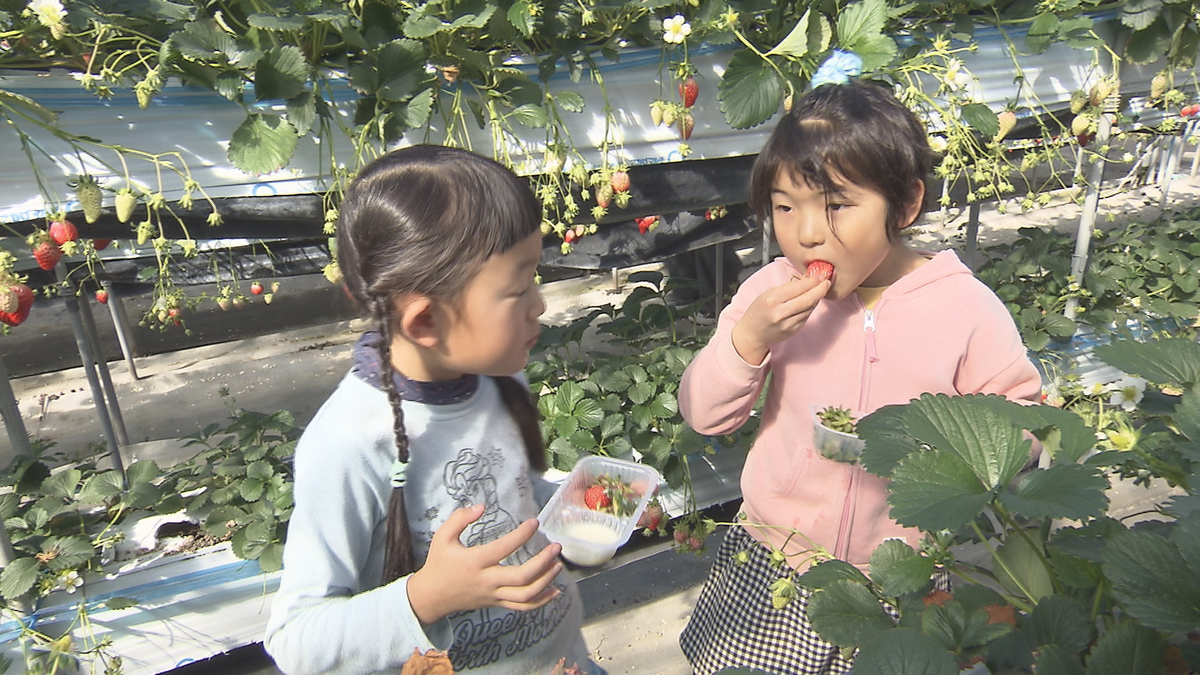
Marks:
<point>89,369</point>
<point>1169,172</point>
<point>972,245</point>
<point>18,436</point>
<point>616,279</point>
<point>114,406</point>
<point>1187,140</point>
<point>116,307</point>
<point>1087,220</point>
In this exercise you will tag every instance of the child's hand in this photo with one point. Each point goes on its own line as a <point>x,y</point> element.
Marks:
<point>457,578</point>
<point>775,316</point>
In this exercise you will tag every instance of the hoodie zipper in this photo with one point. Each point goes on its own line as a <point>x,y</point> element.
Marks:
<point>870,356</point>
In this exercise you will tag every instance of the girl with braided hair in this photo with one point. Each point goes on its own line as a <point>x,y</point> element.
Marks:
<point>418,481</point>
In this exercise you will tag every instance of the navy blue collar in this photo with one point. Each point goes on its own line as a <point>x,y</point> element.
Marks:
<point>368,368</point>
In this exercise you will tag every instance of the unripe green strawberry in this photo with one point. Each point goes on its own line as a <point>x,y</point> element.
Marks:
<point>125,203</point>
<point>1008,121</point>
<point>333,273</point>
<point>656,113</point>
<point>87,191</point>
<point>1081,124</point>
<point>1158,87</point>
<point>787,103</point>
<point>1079,101</point>
<point>1100,91</point>
<point>670,115</point>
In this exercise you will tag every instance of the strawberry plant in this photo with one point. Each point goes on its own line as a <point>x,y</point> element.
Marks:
<point>1139,276</point>
<point>1063,587</point>
<point>619,400</point>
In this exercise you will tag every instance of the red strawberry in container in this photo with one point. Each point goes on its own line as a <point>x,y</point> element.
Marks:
<point>596,498</point>
<point>820,270</point>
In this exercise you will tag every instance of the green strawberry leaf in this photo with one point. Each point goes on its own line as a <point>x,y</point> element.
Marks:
<point>750,92</point>
<point>876,51</point>
<point>1153,580</point>
<point>904,651</point>
<point>899,570</point>
<point>859,22</point>
<point>62,484</point>
<point>1054,660</point>
<point>1058,620</point>
<point>1128,649</point>
<point>823,574</point>
<point>521,18</point>
<point>142,471</point>
<point>846,613</point>
<point>120,602</point>
<point>981,118</point>
<point>17,578</point>
<point>795,44</point>
<point>280,74</point>
<point>1167,361</point>
<point>990,444</point>
<point>262,144</point>
<point>886,439</point>
<point>958,628</point>
<point>935,490</point>
<point>1071,491</point>
<point>71,552</point>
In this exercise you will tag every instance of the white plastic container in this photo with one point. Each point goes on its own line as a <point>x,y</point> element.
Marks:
<point>588,537</point>
<point>832,444</point>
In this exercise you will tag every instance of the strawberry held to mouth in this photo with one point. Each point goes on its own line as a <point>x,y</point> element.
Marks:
<point>820,270</point>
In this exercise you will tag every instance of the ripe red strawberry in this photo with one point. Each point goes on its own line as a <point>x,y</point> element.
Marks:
<point>24,302</point>
<point>819,269</point>
<point>620,181</point>
<point>102,296</point>
<point>101,244</point>
<point>596,498</point>
<point>695,543</point>
<point>47,254</point>
<point>651,518</point>
<point>688,91</point>
<point>1085,138</point>
<point>256,288</point>
<point>569,236</point>
<point>680,534</point>
<point>62,231</point>
<point>686,124</point>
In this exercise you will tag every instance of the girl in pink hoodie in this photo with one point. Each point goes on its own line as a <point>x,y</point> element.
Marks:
<point>851,316</point>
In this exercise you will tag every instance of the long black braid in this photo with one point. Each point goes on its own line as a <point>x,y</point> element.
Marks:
<point>398,555</point>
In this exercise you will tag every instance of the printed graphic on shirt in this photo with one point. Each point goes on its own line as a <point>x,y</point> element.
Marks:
<point>471,479</point>
<point>501,634</point>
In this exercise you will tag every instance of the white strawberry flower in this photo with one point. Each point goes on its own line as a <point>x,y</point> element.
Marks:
<point>1127,392</point>
<point>71,581</point>
<point>937,143</point>
<point>675,29</point>
<point>48,12</point>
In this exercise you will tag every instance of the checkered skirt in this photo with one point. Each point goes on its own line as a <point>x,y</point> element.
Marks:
<point>734,624</point>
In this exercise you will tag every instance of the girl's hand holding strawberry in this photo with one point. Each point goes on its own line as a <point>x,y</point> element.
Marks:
<point>457,578</point>
<point>776,315</point>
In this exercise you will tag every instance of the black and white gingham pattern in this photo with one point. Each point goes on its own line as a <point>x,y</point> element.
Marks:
<point>734,623</point>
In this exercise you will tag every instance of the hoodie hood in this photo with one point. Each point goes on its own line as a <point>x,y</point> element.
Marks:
<point>369,368</point>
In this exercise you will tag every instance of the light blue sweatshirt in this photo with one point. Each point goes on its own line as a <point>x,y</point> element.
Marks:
<point>331,615</point>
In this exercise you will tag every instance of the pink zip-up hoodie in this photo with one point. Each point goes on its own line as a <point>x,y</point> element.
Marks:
<point>937,330</point>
